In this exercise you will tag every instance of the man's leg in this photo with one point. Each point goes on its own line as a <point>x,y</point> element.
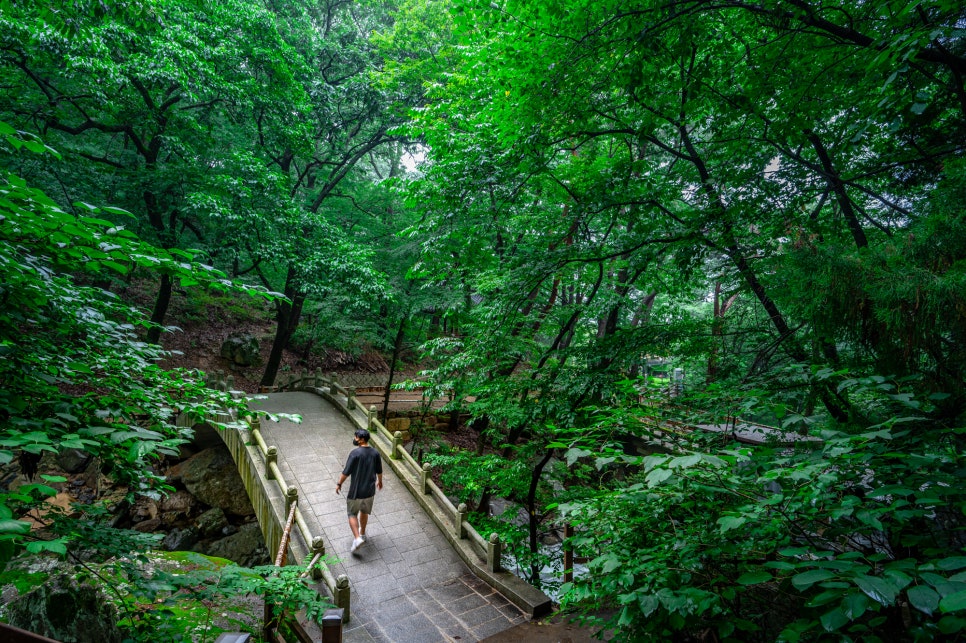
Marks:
<point>354,525</point>
<point>363,521</point>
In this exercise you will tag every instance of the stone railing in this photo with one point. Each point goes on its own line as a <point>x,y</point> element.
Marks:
<point>482,555</point>
<point>257,463</point>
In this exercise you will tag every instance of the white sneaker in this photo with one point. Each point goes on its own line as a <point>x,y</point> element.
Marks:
<point>364,538</point>
<point>356,544</point>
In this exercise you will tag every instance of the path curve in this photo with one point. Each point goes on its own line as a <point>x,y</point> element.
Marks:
<point>407,583</point>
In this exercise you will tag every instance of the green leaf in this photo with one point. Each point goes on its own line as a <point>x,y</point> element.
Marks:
<point>878,589</point>
<point>855,604</point>
<point>833,619</point>
<point>806,579</point>
<point>923,598</point>
<point>951,563</point>
<point>728,523</point>
<point>8,526</point>
<point>648,604</point>
<point>754,578</point>
<point>657,476</point>
<point>954,602</point>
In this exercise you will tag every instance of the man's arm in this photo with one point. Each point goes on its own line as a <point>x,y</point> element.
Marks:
<point>338,485</point>
<point>379,481</point>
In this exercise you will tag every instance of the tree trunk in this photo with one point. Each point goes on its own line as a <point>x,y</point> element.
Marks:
<point>396,349</point>
<point>532,513</point>
<point>160,309</point>
<point>287,316</point>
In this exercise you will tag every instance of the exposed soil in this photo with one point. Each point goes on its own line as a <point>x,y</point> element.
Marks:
<point>198,329</point>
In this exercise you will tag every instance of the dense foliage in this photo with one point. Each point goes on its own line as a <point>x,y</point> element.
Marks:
<point>764,196</point>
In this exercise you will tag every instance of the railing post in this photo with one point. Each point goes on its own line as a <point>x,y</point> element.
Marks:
<point>291,497</point>
<point>458,522</point>
<point>333,383</point>
<point>342,595</point>
<point>317,382</point>
<point>372,415</point>
<point>396,445</point>
<point>350,398</point>
<point>318,548</point>
<point>271,457</point>
<point>256,423</point>
<point>494,551</point>
<point>424,477</point>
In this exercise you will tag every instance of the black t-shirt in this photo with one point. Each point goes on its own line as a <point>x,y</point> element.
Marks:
<point>361,467</point>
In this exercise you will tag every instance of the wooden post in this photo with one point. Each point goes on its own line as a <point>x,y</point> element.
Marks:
<point>396,445</point>
<point>494,552</point>
<point>271,457</point>
<point>424,477</point>
<point>268,620</point>
<point>458,522</point>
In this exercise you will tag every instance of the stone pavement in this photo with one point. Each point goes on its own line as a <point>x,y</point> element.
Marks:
<point>407,584</point>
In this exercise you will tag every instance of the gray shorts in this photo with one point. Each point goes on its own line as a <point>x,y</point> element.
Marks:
<point>359,505</point>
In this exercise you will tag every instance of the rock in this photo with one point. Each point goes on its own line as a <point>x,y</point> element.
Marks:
<point>180,539</point>
<point>147,526</point>
<point>241,349</point>
<point>66,611</point>
<point>247,547</point>
<point>180,500</point>
<point>144,509</point>
<point>205,437</point>
<point>212,478</point>
<point>211,522</point>
<point>400,425</point>
<point>73,460</point>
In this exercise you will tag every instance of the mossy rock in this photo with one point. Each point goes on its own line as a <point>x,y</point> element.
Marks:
<point>67,611</point>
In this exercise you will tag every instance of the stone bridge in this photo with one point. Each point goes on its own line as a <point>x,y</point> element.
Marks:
<point>424,575</point>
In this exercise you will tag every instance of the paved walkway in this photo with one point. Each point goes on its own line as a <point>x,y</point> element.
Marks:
<point>407,584</point>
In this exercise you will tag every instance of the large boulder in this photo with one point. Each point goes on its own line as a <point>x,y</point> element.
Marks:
<point>246,547</point>
<point>66,611</point>
<point>212,478</point>
<point>241,349</point>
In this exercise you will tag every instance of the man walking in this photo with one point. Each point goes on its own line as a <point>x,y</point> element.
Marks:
<point>364,466</point>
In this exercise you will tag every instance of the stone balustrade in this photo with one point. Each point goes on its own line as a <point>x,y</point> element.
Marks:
<point>482,555</point>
